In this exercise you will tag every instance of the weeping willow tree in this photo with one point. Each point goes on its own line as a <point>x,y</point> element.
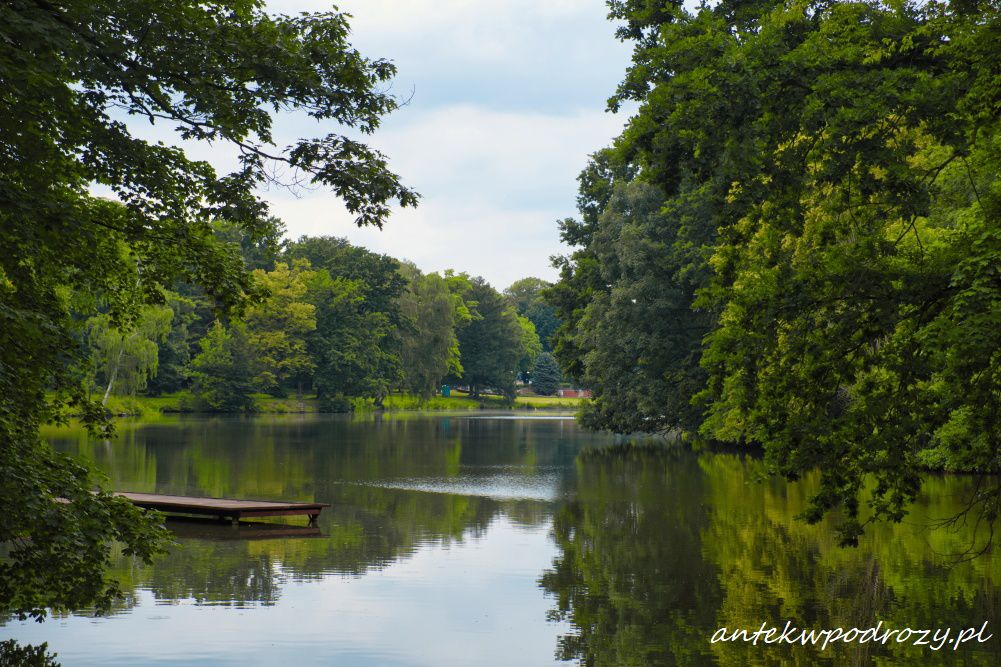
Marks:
<point>128,358</point>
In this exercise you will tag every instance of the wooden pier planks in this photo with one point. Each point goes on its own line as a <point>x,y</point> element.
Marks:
<point>223,507</point>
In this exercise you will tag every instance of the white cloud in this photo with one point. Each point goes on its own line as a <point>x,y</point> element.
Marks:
<point>494,184</point>
<point>519,53</point>
<point>501,245</point>
<point>509,102</point>
<point>499,156</point>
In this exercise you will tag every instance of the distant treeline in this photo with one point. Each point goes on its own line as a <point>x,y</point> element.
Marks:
<point>328,318</point>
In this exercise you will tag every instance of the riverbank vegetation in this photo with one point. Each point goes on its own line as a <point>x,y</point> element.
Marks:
<point>329,320</point>
<point>796,242</point>
<point>184,402</point>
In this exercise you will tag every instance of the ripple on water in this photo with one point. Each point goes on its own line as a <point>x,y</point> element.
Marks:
<point>542,487</point>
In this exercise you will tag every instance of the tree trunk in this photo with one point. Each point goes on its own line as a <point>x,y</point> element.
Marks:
<point>114,374</point>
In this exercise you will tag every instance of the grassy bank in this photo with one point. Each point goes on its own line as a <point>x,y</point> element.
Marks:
<point>183,402</point>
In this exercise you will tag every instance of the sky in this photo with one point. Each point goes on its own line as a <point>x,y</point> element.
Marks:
<point>506,101</point>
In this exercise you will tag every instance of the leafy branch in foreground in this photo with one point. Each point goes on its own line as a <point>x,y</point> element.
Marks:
<point>73,72</point>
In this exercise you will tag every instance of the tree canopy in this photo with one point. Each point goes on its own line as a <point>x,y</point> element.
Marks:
<point>546,375</point>
<point>496,342</point>
<point>77,76</point>
<point>529,301</point>
<point>349,334</point>
<point>795,242</point>
<point>433,312</point>
<point>280,326</point>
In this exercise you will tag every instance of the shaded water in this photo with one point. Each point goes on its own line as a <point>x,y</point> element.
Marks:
<point>496,540</point>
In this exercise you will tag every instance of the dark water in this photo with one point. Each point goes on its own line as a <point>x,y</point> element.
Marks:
<point>496,540</point>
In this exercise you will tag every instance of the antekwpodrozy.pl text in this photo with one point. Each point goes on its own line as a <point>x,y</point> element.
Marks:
<point>934,639</point>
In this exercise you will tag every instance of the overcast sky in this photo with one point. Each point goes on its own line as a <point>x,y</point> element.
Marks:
<point>508,100</point>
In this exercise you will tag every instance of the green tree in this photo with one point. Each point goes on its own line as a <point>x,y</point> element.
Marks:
<point>790,242</point>
<point>857,275</point>
<point>531,346</point>
<point>356,345</point>
<point>528,296</point>
<point>493,343</point>
<point>174,352</point>
<point>128,359</point>
<point>378,275</point>
<point>12,653</point>
<point>71,72</point>
<point>351,345</point>
<point>259,251</point>
<point>626,296</point>
<point>432,314</point>
<point>223,373</point>
<point>546,376</point>
<point>280,325</point>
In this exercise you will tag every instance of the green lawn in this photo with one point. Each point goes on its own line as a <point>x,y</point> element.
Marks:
<point>149,406</point>
<point>548,402</point>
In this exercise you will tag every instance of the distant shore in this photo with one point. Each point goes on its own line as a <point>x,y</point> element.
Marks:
<point>183,403</point>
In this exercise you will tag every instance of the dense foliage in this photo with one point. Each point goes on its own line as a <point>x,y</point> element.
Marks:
<point>529,301</point>
<point>496,343</point>
<point>433,311</point>
<point>546,375</point>
<point>795,242</point>
<point>330,320</point>
<point>73,72</point>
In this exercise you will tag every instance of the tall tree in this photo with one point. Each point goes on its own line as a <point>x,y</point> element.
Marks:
<point>432,313</point>
<point>492,344</point>
<point>259,251</point>
<point>128,359</point>
<point>546,376</point>
<point>790,242</point>
<point>528,296</point>
<point>352,345</point>
<point>356,345</point>
<point>223,373</point>
<point>626,296</point>
<point>378,275</point>
<point>280,325</point>
<point>72,71</point>
<point>174,353</point>
<point>531,346</point>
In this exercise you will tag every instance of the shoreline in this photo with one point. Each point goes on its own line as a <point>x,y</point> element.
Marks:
<point>182,403</point>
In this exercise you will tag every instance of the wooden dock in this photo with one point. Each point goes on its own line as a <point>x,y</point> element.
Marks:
<point>223,508</point>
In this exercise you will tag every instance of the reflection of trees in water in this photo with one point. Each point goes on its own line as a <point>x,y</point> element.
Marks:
<point>217,573</point>
<point>781,568</point>
<point>630,577</point>
<point>340,461</point>
<point>207,571</point>
<point>659,549</point>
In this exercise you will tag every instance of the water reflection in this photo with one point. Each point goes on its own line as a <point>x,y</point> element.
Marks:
<point>661,548</point>
<point>213,529</point>
<point>443,529</point>
<point>630,576</point>
<point>395,485</point>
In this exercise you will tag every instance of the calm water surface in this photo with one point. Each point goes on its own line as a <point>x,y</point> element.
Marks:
<point>501,540</point>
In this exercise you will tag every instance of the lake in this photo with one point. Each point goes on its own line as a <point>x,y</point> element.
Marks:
<point>505,539</point>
